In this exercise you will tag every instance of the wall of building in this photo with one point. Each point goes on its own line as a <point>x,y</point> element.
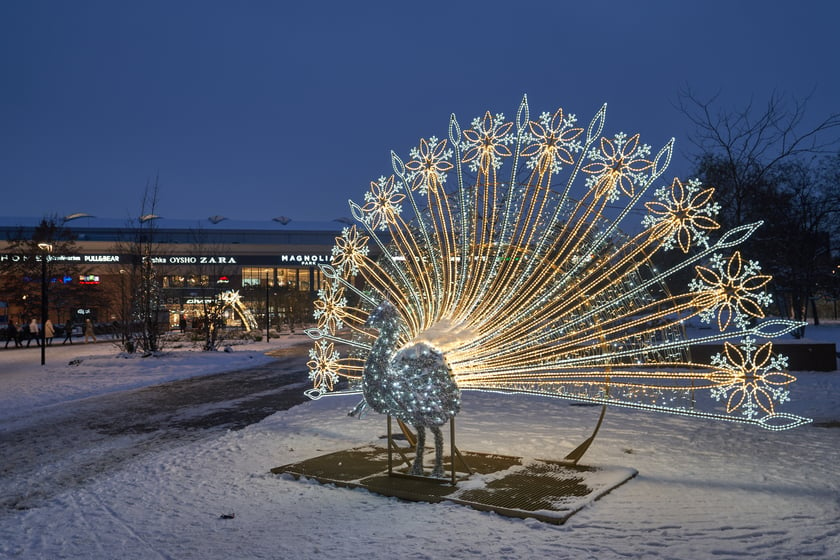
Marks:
<point>275,270</point>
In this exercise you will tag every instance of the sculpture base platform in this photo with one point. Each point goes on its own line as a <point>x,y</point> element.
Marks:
<point>550,491</point>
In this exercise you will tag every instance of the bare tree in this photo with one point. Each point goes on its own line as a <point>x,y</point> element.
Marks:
<point>828,179</point>
<point>762,162</point>
<point>737,151</point>
<point>145,320</point>
<point>798,240</point>
<point>24,284</point>
<point>207,273</point>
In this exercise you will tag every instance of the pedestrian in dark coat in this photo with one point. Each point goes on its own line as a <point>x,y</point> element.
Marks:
<point>12,334</point>
<point>68,331</point>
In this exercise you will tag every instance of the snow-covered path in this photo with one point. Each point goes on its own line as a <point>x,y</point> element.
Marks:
<point>61,447</point>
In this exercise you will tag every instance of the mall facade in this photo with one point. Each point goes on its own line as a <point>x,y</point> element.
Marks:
<point>273,264</point>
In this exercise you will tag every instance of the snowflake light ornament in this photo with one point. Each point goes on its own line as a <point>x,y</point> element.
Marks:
<point>486,142</point>
<point>731,286</point>
<point>428,165</point>
<point>330,307</point>
<point>682,215</point>
<point>350,251</point>
<point>323,366</point>
<point>554,142</point>
<point>751,378</point>
<point>383,203</point>
<point>617,164</point>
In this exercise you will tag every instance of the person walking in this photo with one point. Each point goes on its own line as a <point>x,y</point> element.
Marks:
<point>89,331</point>
<point>33,333</point>
<point>23,332</point>
<point>49,332</point>
<point>68,331</point>
<point>12,334</point>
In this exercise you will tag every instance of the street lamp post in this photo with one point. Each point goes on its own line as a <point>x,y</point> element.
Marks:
<point>47,249</point>
<point>123,311</point>
<point>267,311</point>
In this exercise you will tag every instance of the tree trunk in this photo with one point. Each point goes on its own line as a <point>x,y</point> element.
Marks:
<point>814,312</point>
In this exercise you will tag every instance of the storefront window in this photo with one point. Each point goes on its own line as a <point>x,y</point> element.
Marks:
<point>189,281</point>
<point>255,276</point>
<point>295,278</point>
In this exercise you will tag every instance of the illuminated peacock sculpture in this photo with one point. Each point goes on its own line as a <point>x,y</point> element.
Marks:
<point>517,278</point>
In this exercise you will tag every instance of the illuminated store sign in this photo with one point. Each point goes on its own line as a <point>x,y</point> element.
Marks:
<point>305,259</point>
<point>193,260</point>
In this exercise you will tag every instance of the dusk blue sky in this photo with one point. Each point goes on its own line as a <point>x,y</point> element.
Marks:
<point>258,109</point>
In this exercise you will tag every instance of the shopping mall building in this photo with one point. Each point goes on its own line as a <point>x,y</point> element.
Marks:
<point>194,260</point>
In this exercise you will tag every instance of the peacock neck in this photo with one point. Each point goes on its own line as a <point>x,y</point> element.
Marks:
<point>385,344</point>
<point>378,361</point>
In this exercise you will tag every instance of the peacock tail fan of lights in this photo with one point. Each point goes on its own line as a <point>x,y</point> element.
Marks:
<point>501,247</point>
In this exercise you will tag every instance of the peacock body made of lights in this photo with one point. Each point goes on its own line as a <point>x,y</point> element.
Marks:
<point>520,277</point>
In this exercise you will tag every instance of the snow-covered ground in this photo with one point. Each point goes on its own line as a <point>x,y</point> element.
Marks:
<point>705,489</point>
<point>99,368</point>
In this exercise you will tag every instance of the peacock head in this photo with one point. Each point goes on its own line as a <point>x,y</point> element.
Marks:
<point>383,315</point>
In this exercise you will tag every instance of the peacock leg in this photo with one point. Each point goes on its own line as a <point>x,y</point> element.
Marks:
<point>417,467</point>
<point>437,472</point>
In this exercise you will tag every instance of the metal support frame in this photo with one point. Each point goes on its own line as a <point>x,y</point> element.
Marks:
<point>393,446</point>
<point>581,449</point>
<point>412,441</point>
<point>573,457</point>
